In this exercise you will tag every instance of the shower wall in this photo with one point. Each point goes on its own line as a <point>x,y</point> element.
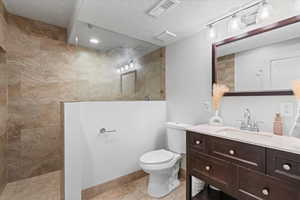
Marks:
<point>3,103</point>
<point>44,71</point>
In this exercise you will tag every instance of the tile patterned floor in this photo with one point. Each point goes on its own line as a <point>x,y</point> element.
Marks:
<point>45,187</point>
<point>137,190</point>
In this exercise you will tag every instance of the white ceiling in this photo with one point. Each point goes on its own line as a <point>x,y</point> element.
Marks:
<point>56,12</point>
<point>130,17</point>
<point>126,17</point>
<point>108,40</point>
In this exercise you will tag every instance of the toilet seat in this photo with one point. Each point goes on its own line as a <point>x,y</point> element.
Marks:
<point>167,160</point>
<point>157,157</point>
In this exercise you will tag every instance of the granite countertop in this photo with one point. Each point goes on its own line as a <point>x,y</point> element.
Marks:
<point>263,139</point>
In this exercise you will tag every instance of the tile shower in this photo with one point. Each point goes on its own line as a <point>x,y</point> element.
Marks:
<point>41,71</point>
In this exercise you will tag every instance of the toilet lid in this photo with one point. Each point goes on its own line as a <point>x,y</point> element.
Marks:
<point>157,157</point>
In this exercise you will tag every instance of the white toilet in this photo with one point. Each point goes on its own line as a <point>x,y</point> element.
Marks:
<point>163,165</point>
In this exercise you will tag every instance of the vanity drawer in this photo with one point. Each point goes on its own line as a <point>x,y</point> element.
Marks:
<point>216,172</point>
<point>249,156</point>
<point>256,186</point>
<point>197,141</point>
<point>283,165</point>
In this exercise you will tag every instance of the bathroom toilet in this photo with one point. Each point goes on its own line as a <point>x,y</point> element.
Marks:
<point>163,165</point>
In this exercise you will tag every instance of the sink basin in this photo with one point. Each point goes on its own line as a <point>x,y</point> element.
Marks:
<point>235,131</point>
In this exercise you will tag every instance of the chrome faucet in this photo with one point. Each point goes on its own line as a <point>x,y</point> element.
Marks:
<point>248,123</point>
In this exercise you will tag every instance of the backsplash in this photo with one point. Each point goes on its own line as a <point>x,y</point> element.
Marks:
<point>44,71</point>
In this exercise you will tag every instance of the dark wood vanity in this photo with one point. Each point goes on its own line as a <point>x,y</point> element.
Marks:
<point>243,171</point>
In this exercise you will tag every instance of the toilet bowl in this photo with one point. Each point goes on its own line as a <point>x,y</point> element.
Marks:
<point>162,167</point>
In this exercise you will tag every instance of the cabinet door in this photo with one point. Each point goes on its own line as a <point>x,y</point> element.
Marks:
<point>197,142</point>
<point>256,186</point>
<point>283,165</point>
<point>216,172</point>
<point>246,155</point>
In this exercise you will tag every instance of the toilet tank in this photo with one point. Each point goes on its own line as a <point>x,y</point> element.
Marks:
<point>176,137</point>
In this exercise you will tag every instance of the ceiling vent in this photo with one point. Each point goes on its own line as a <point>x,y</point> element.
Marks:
<point>166,36</point>
<point>162,7</point>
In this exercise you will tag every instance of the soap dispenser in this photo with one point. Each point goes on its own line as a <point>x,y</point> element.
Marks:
<point>278,125</point>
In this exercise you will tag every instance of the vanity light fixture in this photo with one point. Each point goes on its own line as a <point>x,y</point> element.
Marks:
<point>126,68</point>
<point>264,12</point>
<point>94,41</point>
<point>234,23</point>
<point>212,31</point>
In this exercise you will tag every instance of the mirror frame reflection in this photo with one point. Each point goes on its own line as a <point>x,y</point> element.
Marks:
<point>254,32</point>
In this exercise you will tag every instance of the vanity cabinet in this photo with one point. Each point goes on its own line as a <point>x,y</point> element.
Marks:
<point>243,171</point>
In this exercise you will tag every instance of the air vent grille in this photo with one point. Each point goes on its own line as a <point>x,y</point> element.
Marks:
<point>166,36</point>
<point>162,7</point>
<point>167,4</point>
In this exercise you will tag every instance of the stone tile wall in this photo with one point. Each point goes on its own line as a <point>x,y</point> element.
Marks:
<point>3,101</point>
<point>44,71</point>
<point>225,71</point>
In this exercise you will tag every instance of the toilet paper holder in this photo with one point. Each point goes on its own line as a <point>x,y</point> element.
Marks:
<point>104,131</point>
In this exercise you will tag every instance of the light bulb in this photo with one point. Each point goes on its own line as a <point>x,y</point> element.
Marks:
<point>212,32</point>
<point>234,24</point>
<point>76,40</point>
<point>94,41</point>
<point>126,67</point>
<point>131,65</point>
<point>264,12</point>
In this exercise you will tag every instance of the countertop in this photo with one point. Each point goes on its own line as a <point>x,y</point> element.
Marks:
<point>263,139</point>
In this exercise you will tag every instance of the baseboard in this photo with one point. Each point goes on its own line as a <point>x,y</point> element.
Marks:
<point>99,189</point>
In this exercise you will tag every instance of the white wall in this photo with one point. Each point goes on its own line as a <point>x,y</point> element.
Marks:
<point>140,128</point>
<point>72,151</point>
<point>279,64</point>
<point>188,82</point>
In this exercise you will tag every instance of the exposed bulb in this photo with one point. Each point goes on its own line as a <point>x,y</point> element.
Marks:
<point>131,65</point>
<point>76,40</point>
<point>234,24</point>
<point>264,12</point>
<point>212,32</point>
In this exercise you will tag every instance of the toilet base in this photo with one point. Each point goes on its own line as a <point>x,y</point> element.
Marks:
<point>161,183</point>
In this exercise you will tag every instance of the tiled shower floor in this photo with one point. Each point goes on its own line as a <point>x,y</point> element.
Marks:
<point>45,187</point>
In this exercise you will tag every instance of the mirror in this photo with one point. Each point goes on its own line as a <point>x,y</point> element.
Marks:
<point>261,62</point>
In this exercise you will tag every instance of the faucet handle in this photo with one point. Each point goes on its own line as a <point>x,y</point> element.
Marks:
<point>255,125</point>
<point>242,124</point>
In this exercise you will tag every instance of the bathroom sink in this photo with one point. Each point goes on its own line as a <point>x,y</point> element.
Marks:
<point>235,131</point>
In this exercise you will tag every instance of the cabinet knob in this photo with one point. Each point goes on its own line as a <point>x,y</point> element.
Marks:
<point>198,142</point>
<point>231,152</point>
<point>266,192</point>
<point>207,168</point>
<point>287,167</point>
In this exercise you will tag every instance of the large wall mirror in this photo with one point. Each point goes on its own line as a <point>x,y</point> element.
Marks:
<point>261,62</point>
